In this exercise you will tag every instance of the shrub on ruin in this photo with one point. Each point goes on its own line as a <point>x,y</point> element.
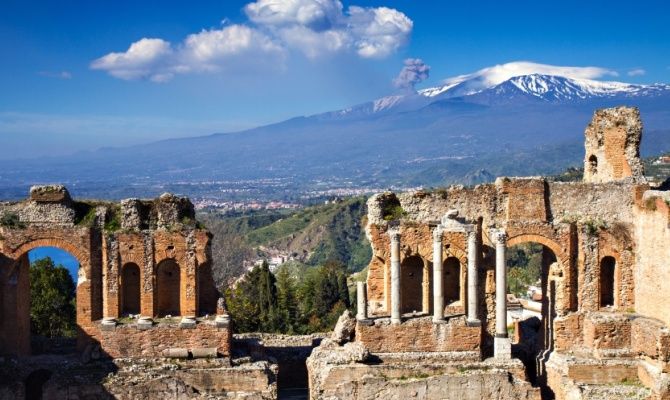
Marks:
<point>11,220</point>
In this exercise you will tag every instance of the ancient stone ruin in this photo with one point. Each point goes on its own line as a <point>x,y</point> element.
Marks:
<point>432,318</point>
<point>433,312</point>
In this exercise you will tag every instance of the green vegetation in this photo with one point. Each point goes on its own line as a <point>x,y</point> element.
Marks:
<point>112,222</point>
<point>525,267</point>
<point>11,220</point>
<point>313,236</point>
<point>297,300</point>
<point>571,174</point>
<point>52,300</point>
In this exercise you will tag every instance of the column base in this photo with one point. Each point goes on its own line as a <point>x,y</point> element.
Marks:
<point>473,322</point>
<point>502,348</point>
<point>396,320</point>
<point>366,322</point>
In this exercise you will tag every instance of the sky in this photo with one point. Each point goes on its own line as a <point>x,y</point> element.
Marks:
<point>78,75</point>
<point>59,257</point>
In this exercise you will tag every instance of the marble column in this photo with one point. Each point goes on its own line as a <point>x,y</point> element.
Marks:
<point>502,343</point>
<point>395,277</point>
<point>361,302</point>
<point>473,278</point>
<point>438,290</point>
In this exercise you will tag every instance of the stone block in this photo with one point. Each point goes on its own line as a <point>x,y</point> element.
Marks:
<point>204,352</point>
<point>50,194</point>
<point>502,348</point>
<point>176,352</point>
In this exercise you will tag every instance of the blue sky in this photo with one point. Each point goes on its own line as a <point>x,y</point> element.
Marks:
<point>59,257</point>
<point>67,82</point>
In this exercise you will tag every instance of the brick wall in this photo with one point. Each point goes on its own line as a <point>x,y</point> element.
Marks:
<point>126,340</point>
<point>419,335</point>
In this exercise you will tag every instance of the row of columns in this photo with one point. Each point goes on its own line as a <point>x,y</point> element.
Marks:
<point>502,343</point>
<point>438,289</point>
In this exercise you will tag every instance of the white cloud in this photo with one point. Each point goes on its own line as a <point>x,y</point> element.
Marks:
<point>318,27</point>
<point>497,74</point>
<point>317,15</point>
<point>312,27</point>
<point>636,72</point>
<point>209,50</point>
<point>379,31</point>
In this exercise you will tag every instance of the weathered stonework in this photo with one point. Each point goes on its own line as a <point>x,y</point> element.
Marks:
<point>612,146</point>
<point>143,257</point>
<point>604,277</point>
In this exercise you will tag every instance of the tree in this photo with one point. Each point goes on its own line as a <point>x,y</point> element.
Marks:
<point>286,300</point>
<point>52,300</point>
<point>252,303</point>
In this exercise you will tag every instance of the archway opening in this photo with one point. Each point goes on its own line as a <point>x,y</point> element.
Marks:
<point>411,281</point>
<point>130,289</point>
<point>52,306</point>
<point>451,280</point>
<point>168,288</point>
<point>35,382</point>
<point>607,275</point>
<point>530,306</point>
<point>593,164</point>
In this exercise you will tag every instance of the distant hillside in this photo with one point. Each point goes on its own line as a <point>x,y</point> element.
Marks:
<point>312,235</point>
<point>466,132</point>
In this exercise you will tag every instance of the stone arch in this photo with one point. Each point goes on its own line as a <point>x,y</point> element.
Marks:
<point>83,258</point>
<point>167,293</point>
<point>411,284</point>
<point>88,304</point>
<point>130,288</point>
<point>551,244</point>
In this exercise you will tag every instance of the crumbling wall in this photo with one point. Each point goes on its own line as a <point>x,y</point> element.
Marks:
<point>652,235</point>
<point>103,237</point>
<point>350,372</point>
<point>612,146</point>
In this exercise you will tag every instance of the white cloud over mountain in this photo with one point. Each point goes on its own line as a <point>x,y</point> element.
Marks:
<point>491,76</point>
<point>276,27</point>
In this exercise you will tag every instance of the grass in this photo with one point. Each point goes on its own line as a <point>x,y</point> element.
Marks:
<point>394,213</point>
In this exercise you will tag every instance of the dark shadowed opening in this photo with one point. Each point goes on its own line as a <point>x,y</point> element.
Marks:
<point>607,269</point>
<point>167,288</point>
<point>35,384</point>
<point>411,282</point>
<point>452,280</point>
<point>130,289</point>
<point>593,164</point>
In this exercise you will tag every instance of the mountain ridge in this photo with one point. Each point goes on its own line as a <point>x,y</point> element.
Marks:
<point>525,125</point>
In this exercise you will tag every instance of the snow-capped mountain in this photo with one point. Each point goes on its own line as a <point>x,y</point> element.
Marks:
<point>516,119</point>
<point>516,81</point>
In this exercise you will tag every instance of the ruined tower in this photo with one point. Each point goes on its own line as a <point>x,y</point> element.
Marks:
<point>612,142</point>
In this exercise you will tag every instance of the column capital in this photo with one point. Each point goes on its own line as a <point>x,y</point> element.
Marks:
<point>437,233</point>
<point>499,236</point>
<point>394,235</point>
